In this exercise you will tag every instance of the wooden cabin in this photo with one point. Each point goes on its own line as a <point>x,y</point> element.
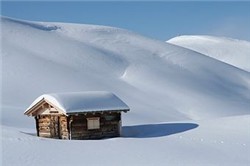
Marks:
<point>81,115</point>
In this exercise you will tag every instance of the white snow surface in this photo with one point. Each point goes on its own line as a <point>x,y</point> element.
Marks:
<point>228,50</point>
<point>88,101</point>
<point>186,108</point>
<point>215,142</point>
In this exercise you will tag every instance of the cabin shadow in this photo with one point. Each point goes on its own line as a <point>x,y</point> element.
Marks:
<point>149,130</point>
<point>28,133</point>
<point>156,130</point>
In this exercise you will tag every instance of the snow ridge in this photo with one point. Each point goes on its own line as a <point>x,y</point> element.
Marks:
<point>184,104</point>
<point>228,50</point>
<point>175,82</point>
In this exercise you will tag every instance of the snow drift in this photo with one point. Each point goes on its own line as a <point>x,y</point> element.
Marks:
<point>231,51</point>
<point>162,83</point>
<point>157,80</point>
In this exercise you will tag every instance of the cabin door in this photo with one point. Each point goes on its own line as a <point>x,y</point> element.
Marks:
<point>54,126</point>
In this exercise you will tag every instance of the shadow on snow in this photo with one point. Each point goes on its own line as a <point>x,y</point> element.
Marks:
<point>33,25</point>
<point>150,130</point>
<point>156,130</point>
<point>28,133</point>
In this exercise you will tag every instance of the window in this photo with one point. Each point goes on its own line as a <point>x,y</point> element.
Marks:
<point>93,123</point>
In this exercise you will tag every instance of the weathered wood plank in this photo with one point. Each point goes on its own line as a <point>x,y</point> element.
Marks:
<point>44,121</point>
<point>45,135</point>
<point>78,125</point>
<point>109,126</point>
<point>43,124</point>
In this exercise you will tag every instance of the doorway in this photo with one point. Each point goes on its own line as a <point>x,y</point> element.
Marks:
<point>54,126</point>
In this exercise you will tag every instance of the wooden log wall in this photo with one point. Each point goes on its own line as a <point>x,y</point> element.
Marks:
<point>64,133</point>
<point>109,126</point>
<point>52,126</point>
<point>76,126</point>
<point>44,126</point>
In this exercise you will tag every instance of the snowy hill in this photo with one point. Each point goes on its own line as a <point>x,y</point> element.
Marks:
<point>162,83</point>
<point>231,51</point>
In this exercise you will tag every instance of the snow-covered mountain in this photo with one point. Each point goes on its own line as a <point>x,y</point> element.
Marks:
<point>231,51</point>
<point>162,83</point>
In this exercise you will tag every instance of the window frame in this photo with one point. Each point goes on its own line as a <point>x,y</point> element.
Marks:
<point>93,123</point>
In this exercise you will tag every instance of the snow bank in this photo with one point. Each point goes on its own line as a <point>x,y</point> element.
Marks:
<point>177,96</point>
<point>159,81</point>
<point>223,141</point>
<point>231,51</point>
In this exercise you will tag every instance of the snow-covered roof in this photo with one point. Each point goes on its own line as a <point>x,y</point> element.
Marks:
<point>77,102</point>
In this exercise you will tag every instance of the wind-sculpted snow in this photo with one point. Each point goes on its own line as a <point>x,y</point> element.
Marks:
<point>178,98</point>
<point>231,51</point>
<point>216,142</point>
<point>159,81</point>
<point>30,24</point>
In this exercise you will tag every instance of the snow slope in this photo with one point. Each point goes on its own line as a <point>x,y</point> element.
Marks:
<point>170,90</point>
<point>231,51</point>
<point>214,142</point>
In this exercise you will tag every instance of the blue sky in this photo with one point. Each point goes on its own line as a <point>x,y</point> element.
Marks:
<point>159,20</point>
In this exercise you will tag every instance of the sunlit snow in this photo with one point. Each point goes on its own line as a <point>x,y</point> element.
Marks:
<point>186,108</point>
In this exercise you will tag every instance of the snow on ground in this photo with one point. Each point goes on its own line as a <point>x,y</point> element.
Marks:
<point>186,108</point>
<point>231,51</point>
<point>224,141</point>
